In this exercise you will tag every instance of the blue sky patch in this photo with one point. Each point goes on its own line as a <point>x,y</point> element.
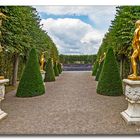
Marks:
<point>84,18</point>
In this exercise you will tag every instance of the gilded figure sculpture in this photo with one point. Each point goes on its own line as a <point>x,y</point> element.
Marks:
<point>136,52</point>
<point>42,61</point>
<point>2,16</point>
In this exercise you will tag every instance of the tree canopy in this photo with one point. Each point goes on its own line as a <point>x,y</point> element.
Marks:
<point>22,31</point>
<point>120,35</point>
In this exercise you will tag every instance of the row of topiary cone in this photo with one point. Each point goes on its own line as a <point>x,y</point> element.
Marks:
<point>31,83</point>
<point>108,76</point>
<point>52,70</point>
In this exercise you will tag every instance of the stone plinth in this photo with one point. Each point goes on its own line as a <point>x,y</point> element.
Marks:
<point>43,74</point>
<point>132,92</point>
<point>2,94</point>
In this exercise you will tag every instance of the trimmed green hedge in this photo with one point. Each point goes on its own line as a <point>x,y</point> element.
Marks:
<point>95,68</point>
<point>56,69</point>
<point>31,83</point>
<point>49,75</point>
<point>59,68</point>
<point>99,71</point>
<point>110,82</point>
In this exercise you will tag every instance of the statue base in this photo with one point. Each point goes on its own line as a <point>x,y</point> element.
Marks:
<point>43,75</point>
<point>2,94</point>
<point>1,77</point>
<point>133,77</point>
<point>132,92</point>
<point>2,114</point>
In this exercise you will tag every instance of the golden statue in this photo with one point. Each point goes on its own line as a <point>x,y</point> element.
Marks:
<point>42,61</point>
<point>2,16</point>
<point>136,52</point>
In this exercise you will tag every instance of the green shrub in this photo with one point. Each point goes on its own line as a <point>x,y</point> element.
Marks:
<point>95,68</point>
<point>99,71</point>
<point>59,68</point>
<point>31,83</point>
<point>56,69</point>
<point>49,75</point>
<point>110,82</point>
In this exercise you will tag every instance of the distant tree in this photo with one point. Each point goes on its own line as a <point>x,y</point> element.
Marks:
<point>71,59</point>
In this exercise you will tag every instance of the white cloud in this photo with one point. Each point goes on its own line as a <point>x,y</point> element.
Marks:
<point>100,15</point>
<point>73,35</point>
<point>92,36</point>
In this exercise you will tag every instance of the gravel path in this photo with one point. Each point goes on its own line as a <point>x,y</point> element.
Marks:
<point>70,106</point>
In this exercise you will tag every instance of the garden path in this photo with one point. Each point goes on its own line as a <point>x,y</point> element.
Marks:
<point>70,106</point>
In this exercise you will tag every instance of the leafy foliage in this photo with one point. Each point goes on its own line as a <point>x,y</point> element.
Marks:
<point>110,82</point>
<point>22,31</point>
<point>54,53</point>
<point>120,35</point>
<point>31,83</point>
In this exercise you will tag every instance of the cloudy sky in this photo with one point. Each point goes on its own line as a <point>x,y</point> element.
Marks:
<point>76,29</point>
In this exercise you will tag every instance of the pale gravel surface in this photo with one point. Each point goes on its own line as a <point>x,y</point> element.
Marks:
<point>70,106</point>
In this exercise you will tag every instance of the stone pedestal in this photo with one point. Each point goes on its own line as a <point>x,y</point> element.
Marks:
<point>2,114</point>
<point>132,92</point>
<point>43,74</point>
<point>2,94</point>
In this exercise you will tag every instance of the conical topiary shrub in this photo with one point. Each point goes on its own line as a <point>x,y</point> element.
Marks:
<point>110,82</point>
<point>99,71</point>
<point>49,75</point>
<point>56,69</point>
<point>95,68</point>
<point>31,83</point>
<point>59,68</point>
